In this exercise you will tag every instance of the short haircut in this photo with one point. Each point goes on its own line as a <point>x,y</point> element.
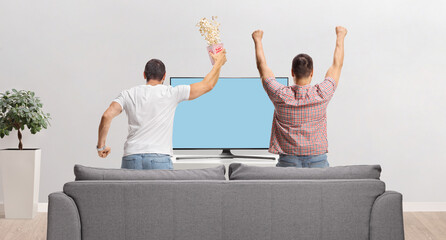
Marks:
<point>155,69</point>
<point>302,66</point>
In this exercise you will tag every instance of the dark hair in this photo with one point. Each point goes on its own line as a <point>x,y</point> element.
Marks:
<point>155,69</point>
<point>302,66</point>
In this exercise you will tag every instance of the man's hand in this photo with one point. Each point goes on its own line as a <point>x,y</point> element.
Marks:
<point>104,153</point>
<point>219,58</point>
<point>341,31</point>
<point>114,110</point>
<point>264,71</point>
<point>338,59</point>
<point>208,83</point>
<point>257,35</point>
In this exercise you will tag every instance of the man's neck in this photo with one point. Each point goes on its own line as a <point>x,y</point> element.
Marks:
<point>303,81</point>
<point>154,82</point>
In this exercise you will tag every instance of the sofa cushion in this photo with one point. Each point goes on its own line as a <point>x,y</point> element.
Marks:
<point>90,173</point>
<point>239,171</point>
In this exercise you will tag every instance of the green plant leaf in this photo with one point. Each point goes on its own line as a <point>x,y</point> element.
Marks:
<point>20,109</point>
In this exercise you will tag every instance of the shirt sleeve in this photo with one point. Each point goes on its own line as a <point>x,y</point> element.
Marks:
<point>121,99</point>
<point>182,92</point>
<point>326,88</point>
<point>274,89</point>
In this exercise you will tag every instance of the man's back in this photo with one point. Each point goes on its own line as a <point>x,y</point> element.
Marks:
<point>299,132</point>
<point>300,120</point>
<point>150,111</point>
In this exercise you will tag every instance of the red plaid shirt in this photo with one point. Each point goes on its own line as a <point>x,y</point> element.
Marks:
<point>300,117</point>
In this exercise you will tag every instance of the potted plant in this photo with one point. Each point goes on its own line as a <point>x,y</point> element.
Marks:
<point>20,168</point>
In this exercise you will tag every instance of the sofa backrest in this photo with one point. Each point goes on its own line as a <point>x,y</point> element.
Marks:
<point>221,210</point>
<point>91,173</point>
<point>239,171</point>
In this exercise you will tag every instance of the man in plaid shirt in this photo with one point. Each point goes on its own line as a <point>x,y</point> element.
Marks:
<point>299,131</point>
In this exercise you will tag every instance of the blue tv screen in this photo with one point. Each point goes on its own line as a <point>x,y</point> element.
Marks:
<point>236,114</point>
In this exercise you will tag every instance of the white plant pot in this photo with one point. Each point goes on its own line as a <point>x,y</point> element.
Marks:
<point>20,170</point>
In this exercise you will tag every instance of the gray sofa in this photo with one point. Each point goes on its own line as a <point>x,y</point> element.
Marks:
<point>114,204</point>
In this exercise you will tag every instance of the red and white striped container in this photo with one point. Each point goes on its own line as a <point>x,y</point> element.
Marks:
<point>214,49</point>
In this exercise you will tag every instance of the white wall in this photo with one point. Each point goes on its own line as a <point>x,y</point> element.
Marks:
<point>389,107</point>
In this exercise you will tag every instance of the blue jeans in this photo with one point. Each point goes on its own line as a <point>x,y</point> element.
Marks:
<point>147,161</point>
<point>311,161</point>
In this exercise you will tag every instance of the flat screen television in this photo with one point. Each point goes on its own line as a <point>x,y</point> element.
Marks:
<point>236,114</point>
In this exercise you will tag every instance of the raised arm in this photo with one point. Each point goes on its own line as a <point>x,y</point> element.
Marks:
<point>112,111</point>
<point>338,59</point>
<point>264,70</point>
<point>208,83</point>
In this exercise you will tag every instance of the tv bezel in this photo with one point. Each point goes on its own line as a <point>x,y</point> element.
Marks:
<point>170,81</point>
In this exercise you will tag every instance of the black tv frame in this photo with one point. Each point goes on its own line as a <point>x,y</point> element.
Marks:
<point>226,152</point>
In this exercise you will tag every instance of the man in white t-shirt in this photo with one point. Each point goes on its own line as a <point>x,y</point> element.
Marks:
<point>150,109</point>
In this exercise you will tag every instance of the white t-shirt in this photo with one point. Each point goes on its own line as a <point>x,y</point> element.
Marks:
<point>150,111</point>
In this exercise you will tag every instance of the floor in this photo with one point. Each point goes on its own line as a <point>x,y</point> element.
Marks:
<point>34,229</point>
<point>425,225</point>
<point>417,225</point>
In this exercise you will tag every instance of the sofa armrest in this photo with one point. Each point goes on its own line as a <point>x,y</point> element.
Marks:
<point>63,218</point>
<point>386,219</point>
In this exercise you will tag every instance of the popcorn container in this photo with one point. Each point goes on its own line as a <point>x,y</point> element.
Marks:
<point>214,49</point>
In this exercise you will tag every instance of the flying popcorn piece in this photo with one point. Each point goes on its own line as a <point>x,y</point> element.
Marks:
<point>210,30</point>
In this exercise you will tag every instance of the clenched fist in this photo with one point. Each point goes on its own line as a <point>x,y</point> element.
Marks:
<point>341,31</point>
<point>104,153</point>
<point>219,58</point>
<point>257,35</point>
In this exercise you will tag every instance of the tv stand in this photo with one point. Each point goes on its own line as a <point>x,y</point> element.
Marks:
<point>225,154</point>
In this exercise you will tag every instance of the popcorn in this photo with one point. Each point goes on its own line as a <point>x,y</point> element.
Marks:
<point>210,30</point>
